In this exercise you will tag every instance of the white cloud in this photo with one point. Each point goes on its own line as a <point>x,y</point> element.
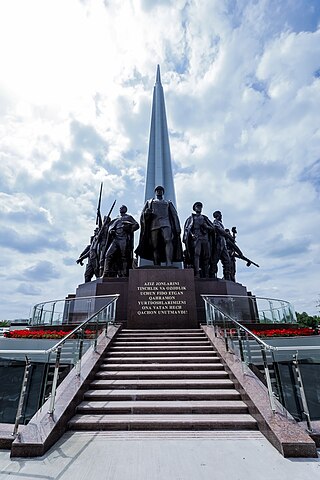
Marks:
<point>242,90</point>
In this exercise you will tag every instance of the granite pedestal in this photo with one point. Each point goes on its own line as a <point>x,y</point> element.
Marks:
<point>166,298</point>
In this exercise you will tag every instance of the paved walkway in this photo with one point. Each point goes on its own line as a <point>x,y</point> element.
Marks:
<point>160,456</point>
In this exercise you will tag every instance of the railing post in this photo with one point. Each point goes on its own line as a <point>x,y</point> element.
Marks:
<point>240,345</point>
<point>96,333</point>
<point>34,311</point>
<point>78,366</point>
<point>52,312</point>
<point>302,392</point>
<point>268,378</point>
<point>213,319</point>
<point>248,349</point>
<point>22,396</point>
<point>55,380</point>
<point>225,334</point>
<point>41,312</point>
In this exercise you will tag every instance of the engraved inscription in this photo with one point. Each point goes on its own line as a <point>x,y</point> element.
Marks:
<point>162,298</point>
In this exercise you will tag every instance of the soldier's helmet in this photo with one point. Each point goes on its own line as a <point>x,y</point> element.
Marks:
<point>195,204</point>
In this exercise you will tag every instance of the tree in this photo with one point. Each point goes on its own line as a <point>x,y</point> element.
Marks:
<point>307,320</point>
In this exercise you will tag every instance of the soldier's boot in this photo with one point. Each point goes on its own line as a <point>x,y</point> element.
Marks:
<point>107,272</point>
<point>123,271</point>
<point>226,275</point>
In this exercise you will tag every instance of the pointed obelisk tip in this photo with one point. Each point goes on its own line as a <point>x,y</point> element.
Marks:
<point>158,79</point>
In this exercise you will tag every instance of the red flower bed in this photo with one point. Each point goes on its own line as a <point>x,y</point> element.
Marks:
<point>285,332</point>
<point>45,334</point>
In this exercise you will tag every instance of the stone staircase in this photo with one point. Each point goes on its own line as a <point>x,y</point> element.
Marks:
<point>162,380</point>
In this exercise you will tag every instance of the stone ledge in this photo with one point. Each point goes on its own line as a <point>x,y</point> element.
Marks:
<point>6,436</point>
<point>44,430</point>
<point>315,434</point>
<point>282,431</point>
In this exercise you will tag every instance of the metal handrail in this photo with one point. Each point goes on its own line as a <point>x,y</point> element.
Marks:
<point>72,299</point>
<point>284,304</point>
<point>42,310</point>
<point>249,297</point>
<point>114,298</point>
<point>258,339</point>
<point>266,347</point>
<point>55,348</point>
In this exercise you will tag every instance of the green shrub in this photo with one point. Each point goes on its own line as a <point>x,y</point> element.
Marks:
<point>306,320</point>
<point>4,323</point>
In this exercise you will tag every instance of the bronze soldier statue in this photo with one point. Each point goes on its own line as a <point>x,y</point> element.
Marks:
<point>220,251</point>
<point>235,252</point>
<point>160,231</point>
<point>197,237</point>
<point>103,238</point>
<point>119,245</point>
<point>91,252</point>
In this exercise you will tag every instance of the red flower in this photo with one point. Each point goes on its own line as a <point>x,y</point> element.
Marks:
<point>45,334</point>
<point>284,332</point>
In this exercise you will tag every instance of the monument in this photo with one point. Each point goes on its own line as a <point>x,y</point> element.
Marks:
<point>156,289</point>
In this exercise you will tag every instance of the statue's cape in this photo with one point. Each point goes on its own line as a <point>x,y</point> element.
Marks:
<point>145,248</point>
<point>130,236</point>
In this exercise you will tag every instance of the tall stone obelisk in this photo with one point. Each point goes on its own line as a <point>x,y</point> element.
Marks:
<point>159,168</point>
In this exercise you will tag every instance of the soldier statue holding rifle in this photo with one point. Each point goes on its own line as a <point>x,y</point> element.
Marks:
<point>119,244</point>
<point>197,237</point>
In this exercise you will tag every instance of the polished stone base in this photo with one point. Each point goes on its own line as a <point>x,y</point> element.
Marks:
<point>223,288</point>
<point>150,286</point>
<point>107,286</point>
<point>161,298</point>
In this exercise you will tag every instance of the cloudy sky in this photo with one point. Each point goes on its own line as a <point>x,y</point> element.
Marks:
<point>242,88</point>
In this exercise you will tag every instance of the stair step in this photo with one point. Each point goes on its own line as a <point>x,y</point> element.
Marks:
<point>159,374</point>
<point>162,337</point>
<point>162,347</point>
<point>106,367</point>
<point>163,422</point>
<point>161,341</point>
<point>124,435</point>
<point>164,383</point>
<point>163,394</point>
<point>184,335</point>
<point>179,407</point>
<point>162,356</point>
<point>161,330</point>
<point>164,359</point>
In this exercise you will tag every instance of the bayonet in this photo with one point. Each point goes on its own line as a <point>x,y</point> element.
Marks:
<point>99,218</point>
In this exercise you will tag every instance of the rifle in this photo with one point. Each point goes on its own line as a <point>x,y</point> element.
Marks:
<point>249,262</point>
<point>112,206</point>
<point>99,218</point>
<point>238,252</point>
<point>106,221</point>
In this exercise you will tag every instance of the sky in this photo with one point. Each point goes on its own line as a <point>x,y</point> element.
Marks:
<point>242,89</point>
